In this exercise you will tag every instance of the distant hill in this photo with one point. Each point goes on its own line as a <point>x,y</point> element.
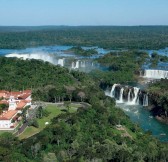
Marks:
<point>26,28</point>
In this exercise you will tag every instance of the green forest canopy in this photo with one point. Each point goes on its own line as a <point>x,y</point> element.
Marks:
<point>112,37</point>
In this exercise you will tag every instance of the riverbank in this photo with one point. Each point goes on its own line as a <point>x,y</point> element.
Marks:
<point>162,119</point>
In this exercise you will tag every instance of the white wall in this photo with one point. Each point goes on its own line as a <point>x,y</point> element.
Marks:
<point>5,123</point>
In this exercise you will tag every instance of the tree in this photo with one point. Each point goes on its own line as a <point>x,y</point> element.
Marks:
<point>81,95</point>
<point>35,123</point>
<point>164,104</point>
<point>70,90</point>
<point>67,104</point>
<point>3,107</point>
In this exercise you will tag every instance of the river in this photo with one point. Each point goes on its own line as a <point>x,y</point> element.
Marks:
<point>140,115</point>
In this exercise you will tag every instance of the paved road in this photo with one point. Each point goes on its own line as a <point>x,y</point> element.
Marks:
<point>84,104</point>
<point>21,129</point>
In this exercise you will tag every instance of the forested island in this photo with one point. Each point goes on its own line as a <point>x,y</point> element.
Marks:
<point>123,67</point>
<point>81,52</point>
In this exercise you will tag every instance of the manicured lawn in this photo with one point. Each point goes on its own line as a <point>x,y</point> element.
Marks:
<point>3,131</point>
<point>29,132</point>
<point>54,111</point>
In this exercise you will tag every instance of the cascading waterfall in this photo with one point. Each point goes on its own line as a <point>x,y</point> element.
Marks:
<point>37,56</point>
<point>145,100</point>
<point>121,96</point>
<point>135,100</point>
<point>61,62</point>
<point>92,64</point>
<point>155,74</point>
<point>112,93</point>
<point>73,65</point>
<point>128,95</point>
<point>83,64</point>
<point>77,64</point>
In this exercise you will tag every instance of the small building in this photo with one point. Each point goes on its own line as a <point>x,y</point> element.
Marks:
<point>6,119</point>
<point>16,102</point>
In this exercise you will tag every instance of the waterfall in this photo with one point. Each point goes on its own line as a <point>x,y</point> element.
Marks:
<point>77,64</point>
<point>145,100</point>
<point>121,95</point>
<point>83,64</point>
<point>129,96</point>
<point>38,56</point>
<point>92,64</point>
<point>112,93</point>
<point>135,100</point>
<point>73,65</point>
<point>155,74</point>
<point>61,62</point>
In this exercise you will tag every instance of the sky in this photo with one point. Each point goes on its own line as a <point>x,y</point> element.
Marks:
<point>83,12</point>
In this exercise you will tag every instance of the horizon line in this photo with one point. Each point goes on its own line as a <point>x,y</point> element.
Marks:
<point>79,25</point>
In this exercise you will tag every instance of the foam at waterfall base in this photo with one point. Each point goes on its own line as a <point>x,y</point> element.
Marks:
<point>126,103</point>
<point>37,56</point>
<point>119,102</point>
<point>131,103</point>
<point>107,93</point>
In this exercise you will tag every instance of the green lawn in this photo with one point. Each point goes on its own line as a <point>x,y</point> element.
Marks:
<point>54,111</point>
<point>3,131</point>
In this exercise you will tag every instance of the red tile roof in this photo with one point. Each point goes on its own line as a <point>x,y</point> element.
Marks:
<point>20,94</point>
<point>8,115</point>
<point>4,102</point>
<point>20,101</point>
<point>24,96</point>
<point>21,105</point>
<point>15,94</point>
<point>27,101</point>
<point>27,91</point>
<point>3,91</point>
